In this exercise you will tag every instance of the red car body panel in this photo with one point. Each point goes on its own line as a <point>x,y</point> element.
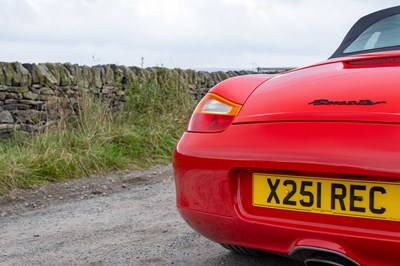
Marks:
<point>213,182</point>
<point>238,89</point>
<point>283,128</point>
<point>289,94</point>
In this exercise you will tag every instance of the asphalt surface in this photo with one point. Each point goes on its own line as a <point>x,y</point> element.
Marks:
<point>122,219</point>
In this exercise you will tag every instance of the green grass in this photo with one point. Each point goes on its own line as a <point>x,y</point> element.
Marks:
<point>95,141</point>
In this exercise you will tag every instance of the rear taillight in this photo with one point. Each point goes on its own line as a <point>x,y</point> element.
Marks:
<point>213,114</point>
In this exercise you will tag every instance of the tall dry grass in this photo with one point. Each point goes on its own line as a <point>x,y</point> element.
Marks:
<point>95,141</point>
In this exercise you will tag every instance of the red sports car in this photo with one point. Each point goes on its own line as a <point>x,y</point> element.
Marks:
<point>305,163</point>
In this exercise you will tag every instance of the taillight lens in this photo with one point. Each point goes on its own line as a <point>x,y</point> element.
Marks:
<point>213,114</point>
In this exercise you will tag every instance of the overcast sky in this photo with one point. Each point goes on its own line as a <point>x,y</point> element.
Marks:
<point>178,33</point>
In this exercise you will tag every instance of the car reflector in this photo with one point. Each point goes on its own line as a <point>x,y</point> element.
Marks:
<point>213,114</point>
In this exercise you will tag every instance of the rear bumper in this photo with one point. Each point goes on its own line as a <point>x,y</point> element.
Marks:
<point>213,182</point>
<point>285,239</point>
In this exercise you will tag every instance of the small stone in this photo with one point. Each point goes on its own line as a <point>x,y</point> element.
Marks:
<point>10,101</point>
<point>123,186</point>
<point>30,95</point>
<point>35,235</point>
<point>36,86</point>
<point>9,107</point>
<point>6,117</point>
<point>46,91</point>
<point>45,76</point>
<point>22,106</point>
<point>12,96</point>
<point>31,102</point>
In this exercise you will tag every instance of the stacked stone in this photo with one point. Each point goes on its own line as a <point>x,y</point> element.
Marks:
<point>36,95</point>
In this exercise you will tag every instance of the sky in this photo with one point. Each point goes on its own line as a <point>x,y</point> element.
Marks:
<point>195,34</point>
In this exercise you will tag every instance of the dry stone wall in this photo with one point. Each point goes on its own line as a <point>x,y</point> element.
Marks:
<point>35,95</point>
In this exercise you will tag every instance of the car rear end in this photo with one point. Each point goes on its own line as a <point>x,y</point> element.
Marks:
<point>308,165</point>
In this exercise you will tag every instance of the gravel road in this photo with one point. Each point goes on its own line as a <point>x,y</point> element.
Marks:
<point>121,219</point>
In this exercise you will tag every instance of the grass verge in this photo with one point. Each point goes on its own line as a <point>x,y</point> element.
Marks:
<point>94,141</point>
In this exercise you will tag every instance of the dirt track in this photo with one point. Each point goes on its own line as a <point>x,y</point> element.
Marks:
<point>125,219</point>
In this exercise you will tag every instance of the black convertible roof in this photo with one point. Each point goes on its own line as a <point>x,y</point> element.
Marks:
<point>361,25</point>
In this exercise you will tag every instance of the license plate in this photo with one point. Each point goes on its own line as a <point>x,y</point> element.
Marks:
<point>357,198</point>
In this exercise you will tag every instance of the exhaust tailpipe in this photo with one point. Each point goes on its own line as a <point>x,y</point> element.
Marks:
<point>313,256</point>
<point>327,260</point>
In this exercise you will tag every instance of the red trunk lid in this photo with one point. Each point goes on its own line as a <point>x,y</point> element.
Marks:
<point>339,90</point>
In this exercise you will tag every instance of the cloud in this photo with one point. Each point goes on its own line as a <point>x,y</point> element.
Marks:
<point>177,33</point>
